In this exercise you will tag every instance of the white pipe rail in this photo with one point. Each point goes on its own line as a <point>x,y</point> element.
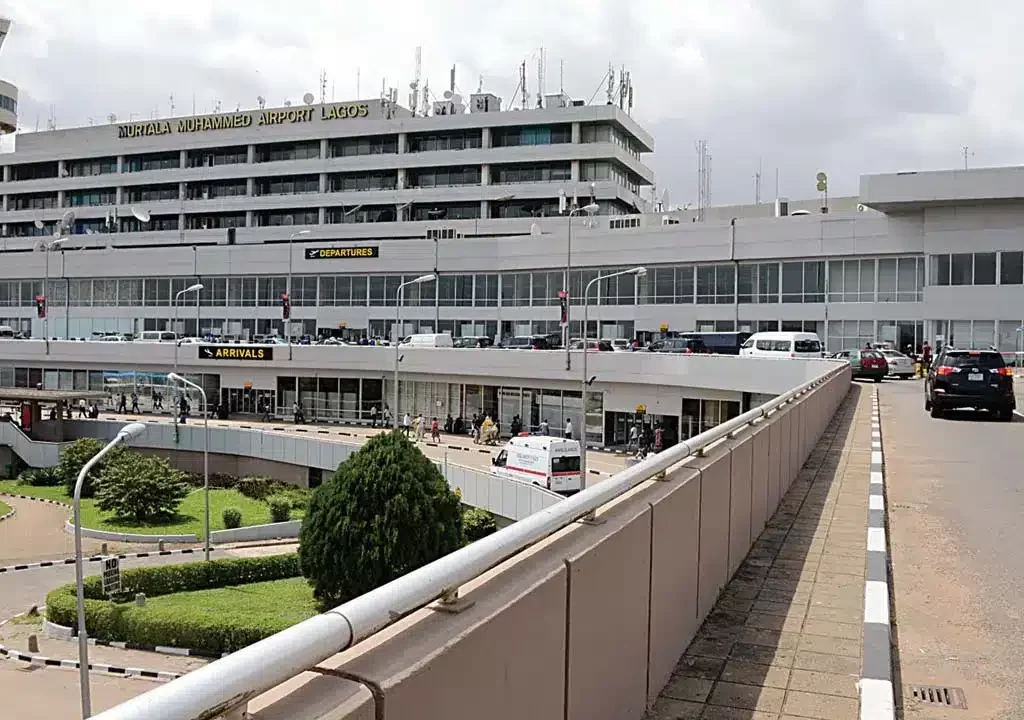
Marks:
<point>226,684</point>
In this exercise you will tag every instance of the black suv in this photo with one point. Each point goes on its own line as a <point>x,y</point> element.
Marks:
<point>976,379</point>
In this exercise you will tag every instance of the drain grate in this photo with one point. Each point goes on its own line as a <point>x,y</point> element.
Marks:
<point>949,697</point>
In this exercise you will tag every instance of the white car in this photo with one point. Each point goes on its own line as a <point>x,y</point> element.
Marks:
<point>900,365</point>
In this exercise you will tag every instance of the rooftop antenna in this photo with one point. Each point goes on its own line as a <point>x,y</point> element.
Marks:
<point>629,93</point>
<point>261,101</point>
<point>622,88</point>
<point>540,79</point>
<point>112,117</point>
<point>51,122</point>
<point>451,81</point>
<point>703,179</point>
<point>414,86</point>
<point>757,183</point>
<point>323,89</point>
<point>480,84</point>
<point>561,77</point>
<point>611,84</point>
<point>359,84</point>
<point>522,80</point>
<point>966,151</point>
<point>216,107</point>
<point>425,110</point>
<point>172,104</point>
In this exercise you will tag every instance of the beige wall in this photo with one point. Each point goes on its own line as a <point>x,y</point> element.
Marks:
<point>588,624</point>
<point>234,465</point>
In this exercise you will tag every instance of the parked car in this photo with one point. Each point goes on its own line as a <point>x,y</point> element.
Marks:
<point>900,365</point>
<point>868,364</point>
<point>689,346</point>
<point>527,342</point>
<point>593,345</point>
<point>783,344</point>
<point>473,341</point>
<point>977,379</point>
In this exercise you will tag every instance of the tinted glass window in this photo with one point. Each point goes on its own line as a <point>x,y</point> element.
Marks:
<point>773,345</point>
<point>982,360</point>
<point>807,346</point>
<point>565,464</point>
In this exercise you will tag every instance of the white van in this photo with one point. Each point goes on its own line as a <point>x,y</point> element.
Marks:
<point>157,336</point>
<point>541,460</point>
<point>783,344</point>
<point>428,340</point>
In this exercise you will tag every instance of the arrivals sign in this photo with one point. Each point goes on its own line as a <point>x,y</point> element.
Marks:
<point>344,253</point>
<point>232,121</point>
<point>235,352</point>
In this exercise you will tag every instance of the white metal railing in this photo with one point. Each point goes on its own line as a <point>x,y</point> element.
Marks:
<point>227,684</point>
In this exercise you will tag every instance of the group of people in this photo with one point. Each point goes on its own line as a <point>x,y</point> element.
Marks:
<point>644,439</point>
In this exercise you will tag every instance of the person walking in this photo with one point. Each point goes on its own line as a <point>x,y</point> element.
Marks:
<point>435,431</point>
<point>568,428</point>
<point>122,404</point>
<point>373,416</point>
<point>406,423</point>
<point>82,413</point>
<point>544,428</point>
<point>387,416</point>
<point>135,403</point>
<point>421,427</point>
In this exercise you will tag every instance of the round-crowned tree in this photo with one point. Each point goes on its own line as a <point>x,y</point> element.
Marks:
<point>73,458</point>
<point>386,512</point>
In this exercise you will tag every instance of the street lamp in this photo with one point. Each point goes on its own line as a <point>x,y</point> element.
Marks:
<point>47,248</point>
<point>590,210</point>
<point>288,320</point>
<point>637,272</point>
<point>176,378</point>
<point>197,288</point>
<point>397,333</point>
<point>124,435</point>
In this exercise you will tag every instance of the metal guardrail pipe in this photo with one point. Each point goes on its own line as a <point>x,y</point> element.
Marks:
<point>227,683</point>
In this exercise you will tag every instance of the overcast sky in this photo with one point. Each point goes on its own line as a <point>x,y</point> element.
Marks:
<point>844,86</point>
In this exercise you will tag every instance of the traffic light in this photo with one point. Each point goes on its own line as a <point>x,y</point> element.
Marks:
<point>563,301</point>
<point>41,306</point>
<point>286,306</point>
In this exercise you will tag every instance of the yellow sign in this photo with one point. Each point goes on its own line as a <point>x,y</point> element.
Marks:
<point>233,121</point>
<point>664,327</point>
<point>641,409</point>
<point>328,253</point>
<point>458,493</point>
<point>247,385</point>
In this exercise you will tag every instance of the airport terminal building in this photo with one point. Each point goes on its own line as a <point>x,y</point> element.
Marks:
<point>339,203</point>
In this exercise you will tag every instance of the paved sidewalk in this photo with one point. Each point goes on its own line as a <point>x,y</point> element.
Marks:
<point>784,640</point>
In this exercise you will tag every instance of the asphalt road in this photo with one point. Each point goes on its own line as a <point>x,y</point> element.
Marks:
<point>955,491</point>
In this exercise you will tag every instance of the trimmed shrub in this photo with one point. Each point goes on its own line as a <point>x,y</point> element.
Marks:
<point>141,487</point>
<point>73,458</point>
<point>477,524</point>
<point>257,488</point>
<point>232,518</point>
<point>120,619</point>
<point>41,477</point>
<point>280,509</point>
<point>386,512</point>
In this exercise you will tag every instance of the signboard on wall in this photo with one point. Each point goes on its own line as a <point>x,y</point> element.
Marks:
<point>235,352</point>
<point>342,253</point>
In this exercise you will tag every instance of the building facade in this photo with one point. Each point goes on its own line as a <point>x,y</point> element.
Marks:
<point>256,205</point>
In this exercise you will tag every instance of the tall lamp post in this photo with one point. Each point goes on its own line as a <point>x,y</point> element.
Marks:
<point>291,262</point>
<point>590,210</point>
<point>176,378</point>
<point>637,272</point>
<point>48,247</point>
<point>397,334</point>
<point>124,435</point>
<point>197,288</point>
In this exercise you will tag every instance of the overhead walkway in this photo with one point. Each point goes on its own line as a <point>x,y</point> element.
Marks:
<point>549,618</point>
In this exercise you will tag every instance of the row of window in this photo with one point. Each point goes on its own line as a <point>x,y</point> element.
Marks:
<point>896,280</point>
<point>9,104</point>
<point>987,268</point>
<point>310,150</point>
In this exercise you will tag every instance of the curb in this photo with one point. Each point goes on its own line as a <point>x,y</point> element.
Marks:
<point>93,667</point>
<point>10,514</point>
<point>97,558</point>
<point>63,632</point>
<point>877,699</point>
<point>37,499</point>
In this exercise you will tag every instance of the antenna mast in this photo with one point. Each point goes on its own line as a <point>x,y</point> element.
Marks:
<point>414,86</point>
<point>611,84</point>
<point>757,183</point>
<point>540,79</point>
<point>703,179</point>
<point>522,80</point>
<point>323,86</point>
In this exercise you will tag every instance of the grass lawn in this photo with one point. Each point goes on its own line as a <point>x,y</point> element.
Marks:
<point>188,520</point>
<point>4,508</point>
<point>276,605</point>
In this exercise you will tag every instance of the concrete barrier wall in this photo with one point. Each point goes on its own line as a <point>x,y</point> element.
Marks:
<point>270,531</point>
<point>69,527</point>
<point>589,623</point>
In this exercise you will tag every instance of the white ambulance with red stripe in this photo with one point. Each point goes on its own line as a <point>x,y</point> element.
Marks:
<point>550,462</point>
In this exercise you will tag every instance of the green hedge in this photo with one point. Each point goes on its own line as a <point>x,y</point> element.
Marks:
<point>120,619</point>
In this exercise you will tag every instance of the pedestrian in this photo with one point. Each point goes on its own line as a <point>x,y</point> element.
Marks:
<point>297,415</point>
<point>373,416</point>
<point>421,427</point>
<point>387,416</point>
<point>634,439</point>
<point>544,428</point>
<point>135,403</point>
<point>265,415</point>
<point>81,408</point>
<point>435,431</point>
<point>568,428</point>
<point>406,423</point>
<point>122,404</point>
<point>659,439</point>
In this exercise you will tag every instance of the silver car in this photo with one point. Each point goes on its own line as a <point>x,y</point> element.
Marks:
<point>900,365</point>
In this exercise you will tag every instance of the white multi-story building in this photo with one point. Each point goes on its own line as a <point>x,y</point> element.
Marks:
<point>246,204</point>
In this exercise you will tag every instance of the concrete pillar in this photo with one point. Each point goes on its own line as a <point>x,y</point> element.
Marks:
<point>120,164</point>
<point>250,186</point>
<point>323,148</point>
<point>183,158</point>
<point>575,171</point>
<point>485,174</point>
<point>485,207</point>
<point>323,182</point>
<point>322,216</point>
<point>251,157</point>
<point>401,179</point>
<point>576,133</point>
<point>119,196</point>
<point>249,218</point>
<point>181,192</point>
<point>485,140</point>
<point>7,173</point>
<point>403,143</point>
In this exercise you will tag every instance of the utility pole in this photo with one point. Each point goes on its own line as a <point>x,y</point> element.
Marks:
<point>966,152</point>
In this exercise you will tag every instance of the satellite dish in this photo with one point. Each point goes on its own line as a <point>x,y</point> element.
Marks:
<point>287,103</point>
<point>38,223</point>
<point>456,98</point>
<point>68,219</point>
<point>308,98</point>
<point>141,215</point>
<point>447,94</point>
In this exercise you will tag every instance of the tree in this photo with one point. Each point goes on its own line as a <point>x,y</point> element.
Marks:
<point>73,458</point>
<point>141,487</point>
<point>386,512</point>
<point>478,523</point>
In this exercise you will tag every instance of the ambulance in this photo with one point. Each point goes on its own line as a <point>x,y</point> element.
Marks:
<point>550,462</point>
